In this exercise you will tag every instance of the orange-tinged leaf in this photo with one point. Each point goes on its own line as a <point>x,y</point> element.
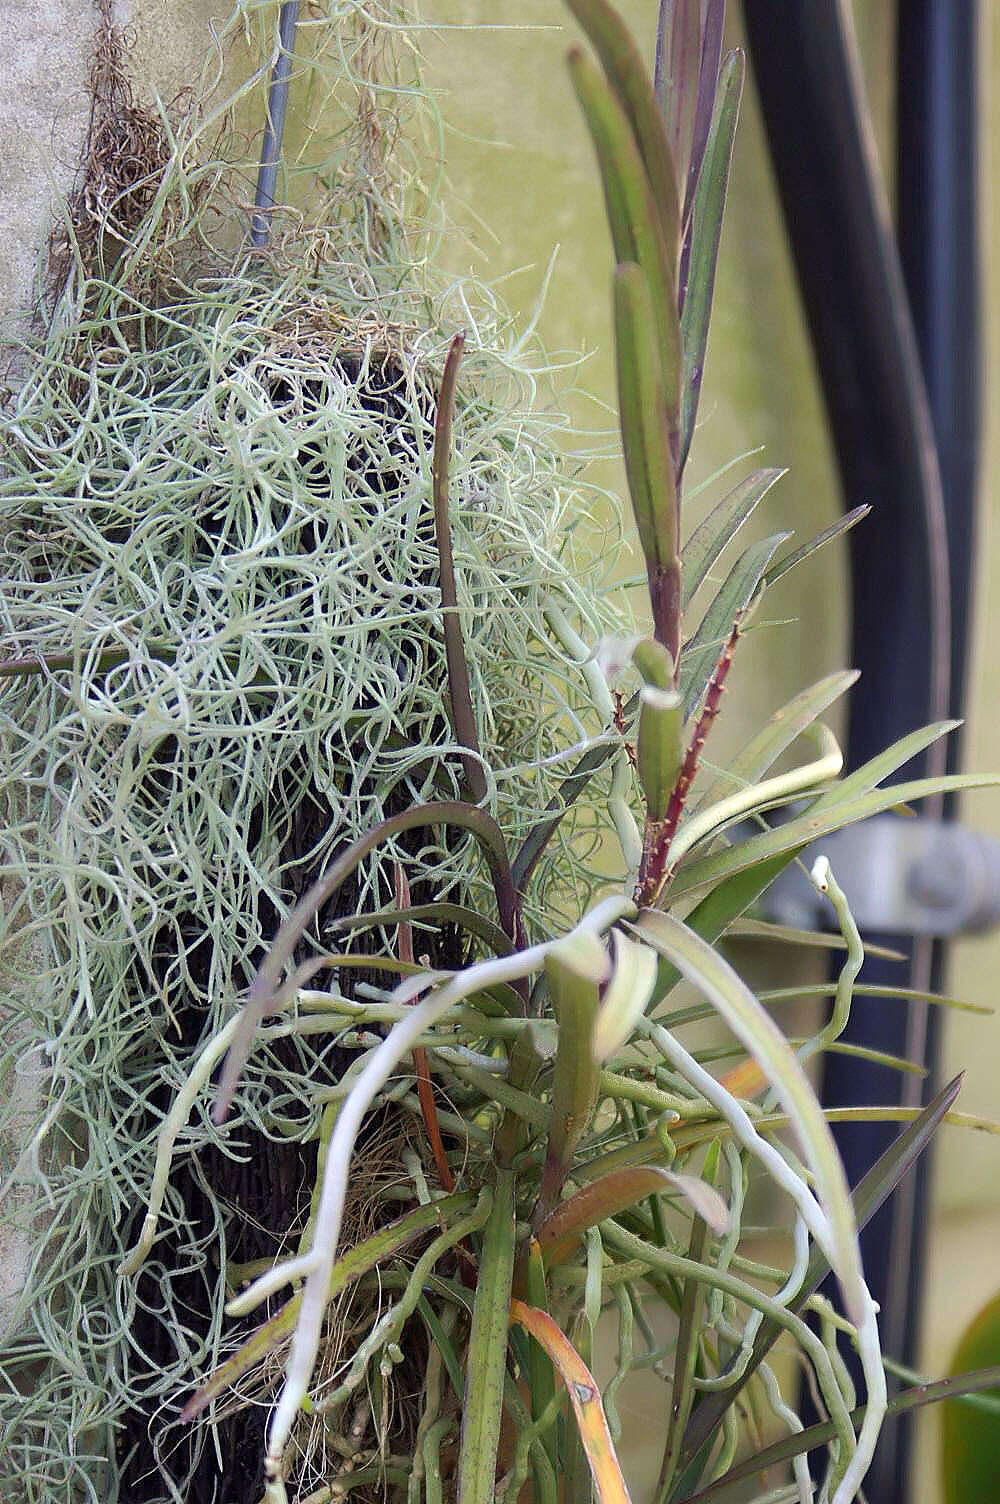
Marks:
<point>585,1397</point>
<point>560,1233</point>
<point>746,1080</point>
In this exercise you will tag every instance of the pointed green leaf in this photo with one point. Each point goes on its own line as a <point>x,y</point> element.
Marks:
<point>574,969</point>
<point>678,60</point>
<point>689,1329</point>
<point>636,227</point>
<point>881,767</point>
<point>706,232</point>
<point>486,1361</point>
<point>644,420</point>
<point>835,530</point>
<point>714,915</point>
<point>626,72</point>
<point>786,934</point>
<point>726,1490</point>
<point>820,820</point>
<point>740,1010</point>
<point>720,527</point>
<point>708,82</point>
<point>701,654</point>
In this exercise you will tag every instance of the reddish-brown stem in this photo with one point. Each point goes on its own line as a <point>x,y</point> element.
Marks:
<point>656,857</point>
<point>421,1064</point>
<point>665,596</point>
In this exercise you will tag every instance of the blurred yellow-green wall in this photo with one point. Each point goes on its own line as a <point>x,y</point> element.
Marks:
<point>520,179</point>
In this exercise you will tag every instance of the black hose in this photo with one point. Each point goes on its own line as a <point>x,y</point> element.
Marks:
<point>871,360</point>
<point>274,126</point>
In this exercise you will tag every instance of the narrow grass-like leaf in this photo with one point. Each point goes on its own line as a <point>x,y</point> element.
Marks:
<point>835,530</point>
<point>725,1490</point>
<point>731,600</point>
<point>350,1267</point>
<point>626,72</point>
<point>787,934</point>
<point>459,692</point>
<point>717,912</point>
<point>678,55</point>
<point>541,1373</point>
<point>764,1041</point>
<point>689,1326</point>
<point>708,82</point>
<point>487,1351</point>
<point>778,733</point>
<point>887,762</point>
<point>585,1397</point>
<point>825,816</point>
<point>901,994</point>
<point>636,229</point>
<point>646,439</point>
<point>706,231</point>
<point>870,1193</point>
<point>266,985</point>
<point>721,526</point>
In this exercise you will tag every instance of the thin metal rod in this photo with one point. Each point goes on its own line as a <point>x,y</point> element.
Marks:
<point>274,127</point>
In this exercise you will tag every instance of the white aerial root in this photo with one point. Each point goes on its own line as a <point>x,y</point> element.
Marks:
<point>326,1233</point>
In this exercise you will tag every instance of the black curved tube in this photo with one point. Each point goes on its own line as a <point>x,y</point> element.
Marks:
<point>910,616</point>
<point>274,126</point>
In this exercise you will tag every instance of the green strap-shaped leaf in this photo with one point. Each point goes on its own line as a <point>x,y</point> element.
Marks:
<point>701,654</point>
<point>706,231</point>
<point>835,530</point>
<point>720,527</point>
<point>778,733</point>
<point>626,72</point>
<point>703,966</point>
<point>823,818</point>
<point>727,1490</point>
<point>636,231</point>
<point>689,1327</point>
<point>487,1351</point>
<point>678,69</point>
<point>574,970</point>
<point>644,421</point>
<point>716,912</point>
<point>887,762</point>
